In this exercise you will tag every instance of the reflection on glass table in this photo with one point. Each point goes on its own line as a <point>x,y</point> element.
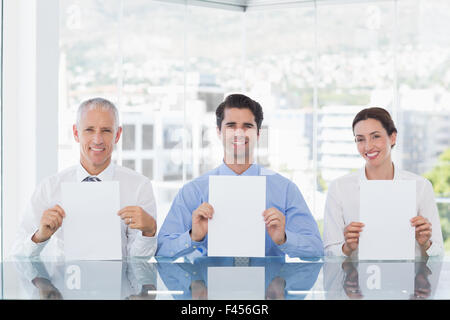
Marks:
<point>215,278</point>
<point>382,280</point>
<point>80,280</point>
<point>221,279</point>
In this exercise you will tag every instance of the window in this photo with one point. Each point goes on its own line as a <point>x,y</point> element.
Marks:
<point>147,136</point>
<point>312,67</point>
<point>1,130</point>
<point>129,137</point>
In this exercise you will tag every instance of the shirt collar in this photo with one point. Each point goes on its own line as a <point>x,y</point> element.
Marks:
<point>363,177</point>
<point>106,175</point>
<point>253,170</point>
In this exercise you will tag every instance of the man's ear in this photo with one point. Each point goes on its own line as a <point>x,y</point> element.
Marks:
<point>75,133</point>
<point>118,134</point>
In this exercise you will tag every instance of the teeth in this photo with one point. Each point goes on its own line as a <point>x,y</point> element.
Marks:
<point>94,149</point>
<point>372,154</point>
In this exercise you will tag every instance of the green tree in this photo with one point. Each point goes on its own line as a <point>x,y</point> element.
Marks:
<point>440,175</point>
<point>440,178</point>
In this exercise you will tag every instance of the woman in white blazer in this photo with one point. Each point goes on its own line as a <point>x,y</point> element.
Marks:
<point>375,136</point>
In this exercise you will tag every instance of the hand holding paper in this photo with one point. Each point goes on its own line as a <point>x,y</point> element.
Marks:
<point>50,222</point>
<point>200,219</point>
<point>423,231</point>
<point>275,224</point>
<point>351,235</point>
<point>136,218</point>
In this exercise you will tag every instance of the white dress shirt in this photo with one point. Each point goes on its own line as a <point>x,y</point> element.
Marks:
<point>342,208</point>
<point>135,190</point>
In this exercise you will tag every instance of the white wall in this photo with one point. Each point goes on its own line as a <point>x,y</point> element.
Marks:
<point>30,104</point>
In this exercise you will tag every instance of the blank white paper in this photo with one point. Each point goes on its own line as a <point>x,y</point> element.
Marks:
<point>236,283</point>
<point>237,228</point>
<point>92,226</point>
<point>386,208</point>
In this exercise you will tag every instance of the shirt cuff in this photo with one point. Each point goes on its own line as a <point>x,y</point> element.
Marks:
<point>335,250</point>
<point>296,246</point>
<point>147,245</point>
<point>145,238</point>
<point>285,246</point>
<point>434,250</point>
<point>31,248</point>
<point>184,245</point>
<point>289,245</point>
<point>197,245</point>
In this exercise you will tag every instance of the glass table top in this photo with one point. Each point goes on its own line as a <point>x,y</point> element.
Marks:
<point>213,278</point>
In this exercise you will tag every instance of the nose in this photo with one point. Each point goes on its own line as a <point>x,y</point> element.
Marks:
<point>368,145</point>
<point>239,133</point>
<point>97,138</point>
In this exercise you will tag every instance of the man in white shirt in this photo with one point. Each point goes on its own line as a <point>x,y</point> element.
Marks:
<point>97,131</point>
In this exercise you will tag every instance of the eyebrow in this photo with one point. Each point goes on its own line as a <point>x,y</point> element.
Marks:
<point>102,128</point>
<point>361,135</point>
<point>245,123</point>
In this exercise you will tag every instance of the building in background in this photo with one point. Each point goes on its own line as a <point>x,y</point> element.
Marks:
<point>167,66</point>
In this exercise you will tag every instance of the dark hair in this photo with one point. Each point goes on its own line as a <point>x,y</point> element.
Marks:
<point>379,114</point>
<point>242,102</point>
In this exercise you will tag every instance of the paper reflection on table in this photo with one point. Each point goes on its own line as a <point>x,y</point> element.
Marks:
<point>218,279</point>
<point>387,280</point>
<point>83,280</point>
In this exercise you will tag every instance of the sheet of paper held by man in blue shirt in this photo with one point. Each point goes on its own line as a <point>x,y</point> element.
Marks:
<point>237,228</point>
<point>92,226</point>
<point>386,207</point>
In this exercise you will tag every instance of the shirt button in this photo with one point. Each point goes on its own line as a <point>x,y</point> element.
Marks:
<point>186,245</point>
<point>195,247</point>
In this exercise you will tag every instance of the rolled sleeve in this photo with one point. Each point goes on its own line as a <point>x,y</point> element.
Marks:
<point>143,246</point>
<point>174,238</point>
<point>428,209</point>
<point>139,245</point>
<point>28,248</point>
<point>301,246</point>
<point>333,229</point>
<point>435,250</point>
<point>302,233</point>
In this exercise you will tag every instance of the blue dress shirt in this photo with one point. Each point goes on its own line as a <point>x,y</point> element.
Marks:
<point>302,234</point>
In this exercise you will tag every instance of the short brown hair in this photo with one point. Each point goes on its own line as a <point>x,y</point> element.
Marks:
<point>379,114</point>
<point>239,101</point>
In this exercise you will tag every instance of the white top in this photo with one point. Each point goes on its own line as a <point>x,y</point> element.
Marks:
<point>135,190</point>
<point>342,208</point>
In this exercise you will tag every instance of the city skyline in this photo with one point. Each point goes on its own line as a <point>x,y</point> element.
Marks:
<point>168,66</point>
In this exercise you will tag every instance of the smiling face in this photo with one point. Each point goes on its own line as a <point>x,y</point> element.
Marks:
<point>97,136</point>
<point>373,142</point>
<point>239,135</point>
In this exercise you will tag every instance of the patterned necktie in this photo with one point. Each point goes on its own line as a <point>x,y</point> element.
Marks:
<point>241,261</point>
<point>91,179</point>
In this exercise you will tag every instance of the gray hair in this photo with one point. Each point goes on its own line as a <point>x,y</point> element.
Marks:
<point>98,103</point>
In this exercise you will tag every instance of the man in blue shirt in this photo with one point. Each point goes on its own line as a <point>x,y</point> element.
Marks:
<point>290,227</point>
